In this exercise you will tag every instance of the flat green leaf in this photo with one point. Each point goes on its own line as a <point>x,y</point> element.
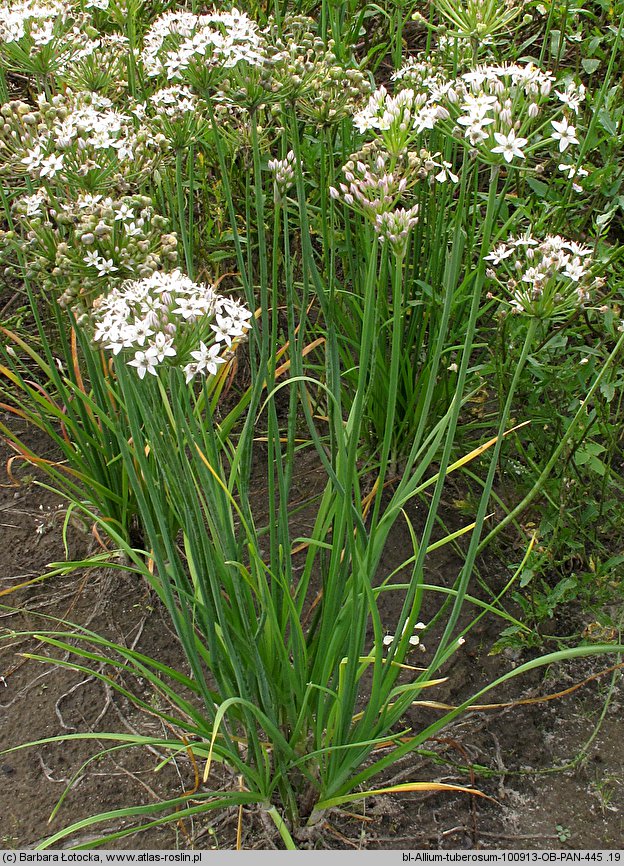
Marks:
<point>587,455</point>
<point>606,121</point>
<point>539,187</point>
<point>607,389</point>
<point>588,450</point>
<point>590,64</point>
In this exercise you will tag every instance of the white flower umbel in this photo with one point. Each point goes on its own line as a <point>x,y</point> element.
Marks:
<point>43,37</point>
<point>20,19</point>
<point>207,361</point>
<point>571,95</point>
<point>76,139</point>
<point>174,101</point>
<point>547,279</point>
<point>495,109</point>
<point>499,106</point>
<point>395,118</point>
<point>167,319</point>
<point>31,22</point>
<point>90,243</point>
<point>218,40</point>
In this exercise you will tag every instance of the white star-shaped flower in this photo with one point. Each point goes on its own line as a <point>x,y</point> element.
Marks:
<point>105,266</point>
<point>565,133</point>
<point>509,145</point>
<point>92,258</point>
<point>145,362</point>
<point>207,358</point>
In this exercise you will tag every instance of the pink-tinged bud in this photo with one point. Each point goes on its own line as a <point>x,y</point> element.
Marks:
<point>533,110</point>
<point>348,198</point>
<point>333,193</point>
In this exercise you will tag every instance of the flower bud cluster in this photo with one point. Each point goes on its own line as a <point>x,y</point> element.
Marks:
<point>333,94</point>
<point>19,130</point>
<point>394,227</point>
<point>92,242</point>
<point>167,319</point>
<point>454,51</point>
<point>78,140</point>
<point>376,183</point>
<point>302,69</point>
<point>284,174</point>
<point>424,76</point>
<point>372,187</point>
<point>546,279</point>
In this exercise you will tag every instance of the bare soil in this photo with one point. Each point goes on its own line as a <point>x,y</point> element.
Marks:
<point>554,770</point>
